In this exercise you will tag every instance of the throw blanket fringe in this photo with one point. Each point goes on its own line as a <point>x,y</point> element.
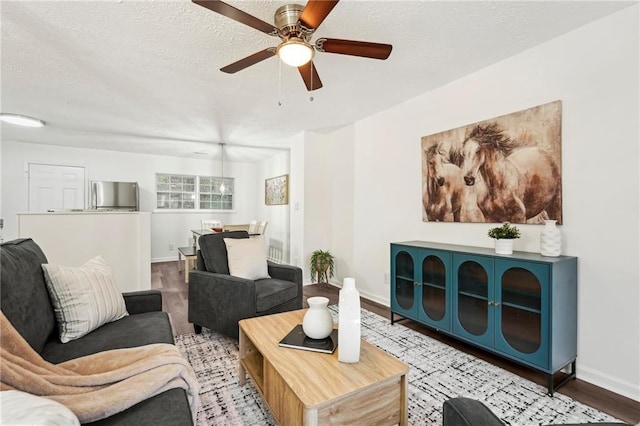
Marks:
<point>98,385</point>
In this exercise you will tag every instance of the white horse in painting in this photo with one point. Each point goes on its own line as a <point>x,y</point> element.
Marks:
<point>519,182</point>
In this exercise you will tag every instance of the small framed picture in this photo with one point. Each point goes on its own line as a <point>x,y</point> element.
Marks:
<point>276,190</point>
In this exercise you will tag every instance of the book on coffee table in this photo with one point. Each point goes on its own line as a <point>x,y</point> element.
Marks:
<point>296,339</point>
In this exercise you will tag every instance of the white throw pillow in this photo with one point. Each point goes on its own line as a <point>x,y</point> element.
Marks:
<point>21,408</point>
<point>247,258</point>
<point>84,298</point>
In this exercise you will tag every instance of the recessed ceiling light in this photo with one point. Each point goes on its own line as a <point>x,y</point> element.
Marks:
<point>21,120</point>
<point>200,153</point>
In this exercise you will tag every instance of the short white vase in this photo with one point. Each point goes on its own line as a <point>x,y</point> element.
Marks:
<point>349,322</point>
<point>317,322</point>
<point>504,246</point>
<point>550,239</point>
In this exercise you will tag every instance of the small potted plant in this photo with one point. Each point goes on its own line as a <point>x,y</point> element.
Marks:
<point>504,236</point>
<point>321,266</point>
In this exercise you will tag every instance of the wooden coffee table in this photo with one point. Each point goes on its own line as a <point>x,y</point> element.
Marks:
<point>310,388</point>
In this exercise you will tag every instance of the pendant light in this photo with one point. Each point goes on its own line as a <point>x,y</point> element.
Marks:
<point>222,187</point>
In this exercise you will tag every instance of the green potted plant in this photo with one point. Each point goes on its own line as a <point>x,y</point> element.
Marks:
<point>321,266</point>
<point>504,236</point>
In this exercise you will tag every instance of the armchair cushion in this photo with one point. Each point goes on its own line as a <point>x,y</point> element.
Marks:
<point>272,292</point>
<point>214,250</point>
<point>247,258</point>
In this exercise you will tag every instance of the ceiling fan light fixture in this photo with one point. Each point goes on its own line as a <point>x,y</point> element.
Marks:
<point>21,120</point>
<point>295,52</point>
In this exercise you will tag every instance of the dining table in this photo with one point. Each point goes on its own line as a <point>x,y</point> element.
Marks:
<point>197,233</point>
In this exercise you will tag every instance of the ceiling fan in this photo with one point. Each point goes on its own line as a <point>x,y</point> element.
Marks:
<point>295,25</point>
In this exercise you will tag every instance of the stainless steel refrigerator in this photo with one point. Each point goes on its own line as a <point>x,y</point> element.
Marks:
<point>114,196</point>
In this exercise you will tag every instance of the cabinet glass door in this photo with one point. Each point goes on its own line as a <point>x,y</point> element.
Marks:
<point>434,293</point>
<point>473,283</point>
<point>404,281</point>
<point>521,297</point>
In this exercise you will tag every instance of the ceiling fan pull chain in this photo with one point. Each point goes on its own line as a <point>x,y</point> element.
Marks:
<point>279,83</point>
<point>311,71</point>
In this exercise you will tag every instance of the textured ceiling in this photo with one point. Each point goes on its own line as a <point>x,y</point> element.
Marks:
<point>144,76</point>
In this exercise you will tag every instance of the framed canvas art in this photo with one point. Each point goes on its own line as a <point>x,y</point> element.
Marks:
<point>276,190</point>
<point>505,169</point>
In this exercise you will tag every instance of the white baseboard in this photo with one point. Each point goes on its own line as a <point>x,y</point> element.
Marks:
<point>165,259</point>
<point>366,295</point>
<point>614,384</point>
<point>374,298</point>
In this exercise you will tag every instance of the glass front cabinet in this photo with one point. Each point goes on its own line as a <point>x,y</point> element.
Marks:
<point>421,285</point>
<point>504,304</point>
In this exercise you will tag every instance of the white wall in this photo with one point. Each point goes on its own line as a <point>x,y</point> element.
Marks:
<point>594,70</point>
<point>278,217</point>
<point>166,228</point>
<point>342,219</point>
<point>297,200</point>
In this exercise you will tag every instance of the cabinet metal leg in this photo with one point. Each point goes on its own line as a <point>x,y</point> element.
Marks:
<point>570,376</point>
<point>394,319</point>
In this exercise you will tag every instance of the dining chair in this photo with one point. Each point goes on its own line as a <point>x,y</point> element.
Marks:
<point>253,227</point>
<point>262,227</point>
<point>210,223</point>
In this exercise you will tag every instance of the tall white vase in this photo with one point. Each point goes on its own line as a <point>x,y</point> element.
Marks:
<point>317,323</point>
<point>550,239</point>
<point>349,322</point>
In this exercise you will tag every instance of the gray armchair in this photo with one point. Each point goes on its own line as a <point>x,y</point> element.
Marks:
<point>218,300</point>
<point>469,412</point>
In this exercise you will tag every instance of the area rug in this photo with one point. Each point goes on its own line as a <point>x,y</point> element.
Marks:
<point>437,372</point>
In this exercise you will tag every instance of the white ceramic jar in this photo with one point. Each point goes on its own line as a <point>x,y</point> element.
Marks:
<point>317,322</point>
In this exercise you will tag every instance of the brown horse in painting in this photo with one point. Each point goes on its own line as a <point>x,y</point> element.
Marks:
<point>444,186</point>
<point>520,182</point>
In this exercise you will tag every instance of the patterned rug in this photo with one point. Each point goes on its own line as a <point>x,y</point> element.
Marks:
<point>437,372</point>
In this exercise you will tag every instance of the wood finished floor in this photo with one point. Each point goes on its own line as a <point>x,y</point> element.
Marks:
<point>166,278</point>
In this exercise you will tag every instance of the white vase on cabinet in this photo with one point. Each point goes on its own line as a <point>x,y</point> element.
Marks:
<point>550,239</point>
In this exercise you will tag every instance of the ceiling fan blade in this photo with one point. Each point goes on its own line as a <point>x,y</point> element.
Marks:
<point>237,15</point>
<point>354,48</point>
<point>310,76</point>
<point>315,12</point>
<point>249,60</point>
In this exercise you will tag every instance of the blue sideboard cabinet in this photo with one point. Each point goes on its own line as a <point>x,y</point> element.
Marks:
<point>521,306</point>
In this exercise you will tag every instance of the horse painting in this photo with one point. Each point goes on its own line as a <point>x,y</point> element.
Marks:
<point>513,182</point>
<point>444,192</point>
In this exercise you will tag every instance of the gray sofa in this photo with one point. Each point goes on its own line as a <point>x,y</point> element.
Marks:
<point>25,302</point>
<point>469,412</point>
<point>218,300</point>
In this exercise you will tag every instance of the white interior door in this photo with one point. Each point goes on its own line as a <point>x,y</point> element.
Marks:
<point>54,187</point>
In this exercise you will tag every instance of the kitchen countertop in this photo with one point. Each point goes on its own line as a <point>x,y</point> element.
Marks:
<point>81,212</point>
